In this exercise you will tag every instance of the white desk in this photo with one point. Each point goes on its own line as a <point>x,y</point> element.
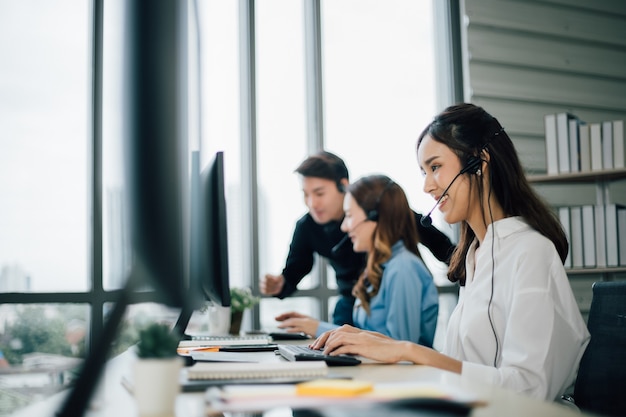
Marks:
<point>115,401</point>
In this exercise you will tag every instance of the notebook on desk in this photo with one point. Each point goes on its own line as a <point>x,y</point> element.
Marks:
<point>202,375</point>
<point>249,340</point>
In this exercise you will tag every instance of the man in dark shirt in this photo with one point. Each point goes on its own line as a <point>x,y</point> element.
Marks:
<point>324,181</point>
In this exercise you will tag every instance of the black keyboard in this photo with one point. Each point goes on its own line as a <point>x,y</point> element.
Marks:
<point>304,353</point>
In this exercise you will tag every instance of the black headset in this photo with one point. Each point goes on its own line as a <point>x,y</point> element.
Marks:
<point>472,165</point>
<point>372,215</point>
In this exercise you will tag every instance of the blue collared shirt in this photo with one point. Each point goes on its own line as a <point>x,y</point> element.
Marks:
<point>407,302</point>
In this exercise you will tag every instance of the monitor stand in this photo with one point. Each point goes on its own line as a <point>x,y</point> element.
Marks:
<point>181,324</point>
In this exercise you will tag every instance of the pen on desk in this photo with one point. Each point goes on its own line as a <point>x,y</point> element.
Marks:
<point>187,351</point>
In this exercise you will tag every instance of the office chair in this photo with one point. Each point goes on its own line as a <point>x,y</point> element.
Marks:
<point>602,373</point>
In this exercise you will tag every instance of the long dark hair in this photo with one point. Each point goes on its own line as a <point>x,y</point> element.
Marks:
<point>396,221</point>
<point>468,130</point>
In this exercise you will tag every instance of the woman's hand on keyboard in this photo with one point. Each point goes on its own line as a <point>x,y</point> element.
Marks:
<point>354,341</point>
<point>320,342</point>
<point>294,322</point>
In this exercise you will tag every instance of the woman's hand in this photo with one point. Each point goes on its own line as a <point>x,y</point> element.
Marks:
<point>372,345</point>
<point>294,322</point>
<point>350,340</point>
<point>320,342</point>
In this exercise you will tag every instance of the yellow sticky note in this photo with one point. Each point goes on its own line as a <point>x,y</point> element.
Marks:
<point>333,387</point>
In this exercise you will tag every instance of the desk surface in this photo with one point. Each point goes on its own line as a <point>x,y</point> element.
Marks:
<point>112,399</point>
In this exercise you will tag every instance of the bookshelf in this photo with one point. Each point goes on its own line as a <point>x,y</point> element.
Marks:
<point>580,177</point>
<point>602,179</point>
<point>581,278</point>
<point>602,271</point>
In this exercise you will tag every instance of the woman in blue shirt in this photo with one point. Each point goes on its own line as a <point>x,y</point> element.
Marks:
<point>396,295</point>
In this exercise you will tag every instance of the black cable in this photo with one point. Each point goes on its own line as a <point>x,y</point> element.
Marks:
<point>493,262</point>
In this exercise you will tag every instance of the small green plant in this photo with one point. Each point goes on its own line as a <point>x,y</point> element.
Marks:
<point>157,341</point>
<point>242,298</point>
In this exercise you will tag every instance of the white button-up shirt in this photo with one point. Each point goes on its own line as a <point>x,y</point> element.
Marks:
<point>540,333</point>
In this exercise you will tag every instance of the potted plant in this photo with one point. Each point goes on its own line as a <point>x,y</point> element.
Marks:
<point>240,300</point>
<point>156,372</point>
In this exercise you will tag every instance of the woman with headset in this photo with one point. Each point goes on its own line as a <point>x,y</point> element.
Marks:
<point>396,295</point>
<point>516,323</point>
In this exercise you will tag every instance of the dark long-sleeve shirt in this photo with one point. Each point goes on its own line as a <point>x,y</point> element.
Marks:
<point>310,237</point>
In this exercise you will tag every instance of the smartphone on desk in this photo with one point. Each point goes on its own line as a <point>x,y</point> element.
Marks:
<point>250,348</point>
<point>278,334</point>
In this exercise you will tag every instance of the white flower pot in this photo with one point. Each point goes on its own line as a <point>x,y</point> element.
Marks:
<point>156,385</point>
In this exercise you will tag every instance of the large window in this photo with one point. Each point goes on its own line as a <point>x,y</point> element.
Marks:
<point>379,86</point>
<point>44,189</point>
<point>218,75</point>
<point>379,79</point>
<point>44,114</point>
<point>115,236</point>
<point>281,136</point>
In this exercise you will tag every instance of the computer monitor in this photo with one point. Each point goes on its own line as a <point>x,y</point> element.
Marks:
<point>209,273</point>
<point>156,175</point>
<point>210,268</point>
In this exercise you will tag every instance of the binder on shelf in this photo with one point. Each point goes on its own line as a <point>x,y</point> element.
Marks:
<point>618,144</point>
<point>595,138</point>
<point>552,155</point>
<point>589,246</point>
<point>612,238</point>
<point>576,241</point>
<point>607,145</point>
<point>600,236</point>
<point>574,144</point>
<point>621,233</point>
<point>562,135</point>
<point>564,217</point>
<point>585,147</point>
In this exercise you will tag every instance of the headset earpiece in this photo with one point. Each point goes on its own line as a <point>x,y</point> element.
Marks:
<point>473,165</point>
<point>372,215</point>
<point>341,187</point>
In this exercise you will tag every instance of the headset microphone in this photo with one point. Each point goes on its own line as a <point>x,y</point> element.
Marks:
<point>335,250</point>
<point>473,164</point>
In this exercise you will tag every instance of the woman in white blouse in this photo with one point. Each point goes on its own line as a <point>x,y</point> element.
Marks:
<point>517,323</point>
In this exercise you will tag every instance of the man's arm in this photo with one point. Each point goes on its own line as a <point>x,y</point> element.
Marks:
<point>435,240</point>
<point>299,259</point>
